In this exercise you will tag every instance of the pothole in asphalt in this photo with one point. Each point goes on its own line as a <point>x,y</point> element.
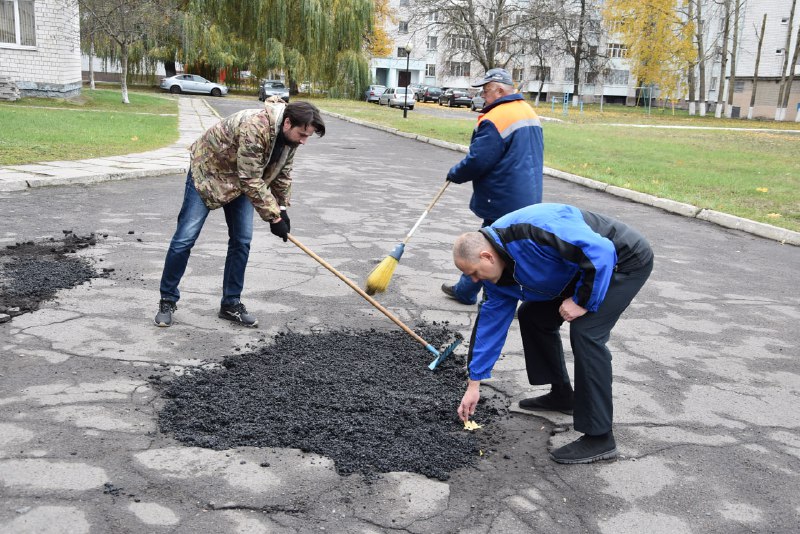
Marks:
<point>365,399</point>
<point>31,272</point>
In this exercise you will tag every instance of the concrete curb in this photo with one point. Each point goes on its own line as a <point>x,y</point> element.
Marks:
<point>781,235</point>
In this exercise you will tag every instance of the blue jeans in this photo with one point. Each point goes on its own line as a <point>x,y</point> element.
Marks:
<point>465,289</point>
<point>238,216</point>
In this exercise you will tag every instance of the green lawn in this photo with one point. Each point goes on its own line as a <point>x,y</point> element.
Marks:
<point>755,175</point>
<point>92,125</point>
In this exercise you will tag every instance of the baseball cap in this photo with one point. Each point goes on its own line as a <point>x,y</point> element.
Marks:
<point>495,75</point>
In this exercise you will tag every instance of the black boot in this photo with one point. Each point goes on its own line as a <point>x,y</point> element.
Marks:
<point>560,399</point>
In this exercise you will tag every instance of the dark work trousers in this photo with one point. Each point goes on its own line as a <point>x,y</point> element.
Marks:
<point>539,324</point>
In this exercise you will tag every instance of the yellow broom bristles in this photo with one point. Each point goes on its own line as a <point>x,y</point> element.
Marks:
<point>378,280</point>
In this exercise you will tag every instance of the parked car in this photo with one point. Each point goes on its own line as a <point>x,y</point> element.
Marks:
<point>455,98</point>
<point>478,101</point>
<point>192,83</point>
<point>429,94</point>
<point>416,89</point>
<point>273,88</point>
<point>397,97</point>
<point>373,93</point>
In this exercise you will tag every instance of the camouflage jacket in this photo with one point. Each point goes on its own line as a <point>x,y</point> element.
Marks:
<point>232,158</point>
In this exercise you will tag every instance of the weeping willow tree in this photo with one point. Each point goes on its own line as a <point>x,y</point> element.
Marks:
<point>315,40</point>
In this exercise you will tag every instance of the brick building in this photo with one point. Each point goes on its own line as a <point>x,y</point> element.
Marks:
<point>40,47</point>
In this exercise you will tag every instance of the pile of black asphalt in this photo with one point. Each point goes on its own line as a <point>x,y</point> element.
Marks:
<point>32,272</point>
<point>365,399</point>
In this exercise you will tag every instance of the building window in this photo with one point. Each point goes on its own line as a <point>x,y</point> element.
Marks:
<point>617,50</point>
<point>569,74</point>
<point>541,74</point>
<point>517,74</point>
<point>591,78</point>
<point>17,23</point>
<point>430,69</point>
<point>433,42</point>
<point>459,42</point>
<point>401,51</point>
<point>403,26</point>
<point>458,68</point>
<point>502,46</point>
<point>713,83</point>
<point>435,16</point>
<point>618,77</point>
<point>738,86</point>
<point>403,3</point>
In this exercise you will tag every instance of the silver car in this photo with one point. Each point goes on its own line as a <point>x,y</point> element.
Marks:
<point>273,88</point>
<point>192,83</point>
<point>397,97</point>
<point>478,101</point>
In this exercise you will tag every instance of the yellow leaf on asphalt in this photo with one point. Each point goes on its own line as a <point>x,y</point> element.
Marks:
<point>471,425</point>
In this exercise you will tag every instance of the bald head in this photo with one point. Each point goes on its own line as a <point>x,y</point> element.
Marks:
<point>475,256</point>
<point>468,246</point>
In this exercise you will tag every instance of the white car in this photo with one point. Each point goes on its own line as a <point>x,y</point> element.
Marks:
<point>192,83</point>
<point>397,97</point>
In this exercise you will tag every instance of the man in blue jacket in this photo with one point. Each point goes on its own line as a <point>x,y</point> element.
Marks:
<point>564,264</point>
<point>504,162</point>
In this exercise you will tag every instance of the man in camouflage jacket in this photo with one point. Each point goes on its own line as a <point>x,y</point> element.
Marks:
<point>241,164</point>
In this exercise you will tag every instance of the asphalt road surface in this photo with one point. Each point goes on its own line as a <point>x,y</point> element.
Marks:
<point>705,363</point>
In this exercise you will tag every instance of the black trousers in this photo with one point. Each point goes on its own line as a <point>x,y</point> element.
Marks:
<point>539,324</point>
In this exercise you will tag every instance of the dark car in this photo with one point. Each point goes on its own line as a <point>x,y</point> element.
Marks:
<point>455,98</point>
<point>429,94</point>
<point>273,88</point>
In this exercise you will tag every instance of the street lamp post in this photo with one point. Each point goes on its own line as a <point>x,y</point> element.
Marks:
<point>408,48</point>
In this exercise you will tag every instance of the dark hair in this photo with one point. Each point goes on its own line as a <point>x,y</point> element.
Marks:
<point>304,114</point>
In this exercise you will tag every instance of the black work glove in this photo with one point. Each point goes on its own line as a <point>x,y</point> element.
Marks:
<point>285,217</point>
<point>280,229</point>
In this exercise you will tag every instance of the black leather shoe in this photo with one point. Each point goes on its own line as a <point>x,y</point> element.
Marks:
<point>547,403</point>
<point>587,449</point>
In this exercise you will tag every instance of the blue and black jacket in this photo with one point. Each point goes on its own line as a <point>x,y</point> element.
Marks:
<point>550,251</point>
<point>505,159</point>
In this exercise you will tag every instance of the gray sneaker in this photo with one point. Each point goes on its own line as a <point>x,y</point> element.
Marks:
<point>238,314</point>
<point>164,315</point>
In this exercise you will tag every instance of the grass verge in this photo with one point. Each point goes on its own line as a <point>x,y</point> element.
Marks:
<point>751,174</point>
<point>94,124</point>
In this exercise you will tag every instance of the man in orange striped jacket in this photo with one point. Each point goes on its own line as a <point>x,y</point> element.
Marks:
<point>504,163</point>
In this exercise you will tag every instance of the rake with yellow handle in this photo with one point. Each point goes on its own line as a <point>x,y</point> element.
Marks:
<point>440,356</point>
<point>378,280</point>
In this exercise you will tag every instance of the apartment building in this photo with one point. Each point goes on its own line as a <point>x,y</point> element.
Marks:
<point>423,54</point>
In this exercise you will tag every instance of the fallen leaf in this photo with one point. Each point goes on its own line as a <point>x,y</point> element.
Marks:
<point>774,215</point>
<point>762,189</point>
<point>135,138</point>
<point>471,425</point>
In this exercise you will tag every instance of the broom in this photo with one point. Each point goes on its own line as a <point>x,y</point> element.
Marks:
<point>378,280</point>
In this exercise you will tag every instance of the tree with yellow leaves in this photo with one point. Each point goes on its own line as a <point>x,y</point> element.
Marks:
<point>658,36</point>
<point>379,44</point>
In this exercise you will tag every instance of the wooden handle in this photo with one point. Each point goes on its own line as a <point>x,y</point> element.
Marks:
<point>358,290</point>
<point>427,210</point>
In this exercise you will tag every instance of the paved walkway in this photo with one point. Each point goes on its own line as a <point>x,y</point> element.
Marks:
<point>196,115</point>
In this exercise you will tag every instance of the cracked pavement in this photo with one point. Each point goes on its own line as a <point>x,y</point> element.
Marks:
<point>705,365</point>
